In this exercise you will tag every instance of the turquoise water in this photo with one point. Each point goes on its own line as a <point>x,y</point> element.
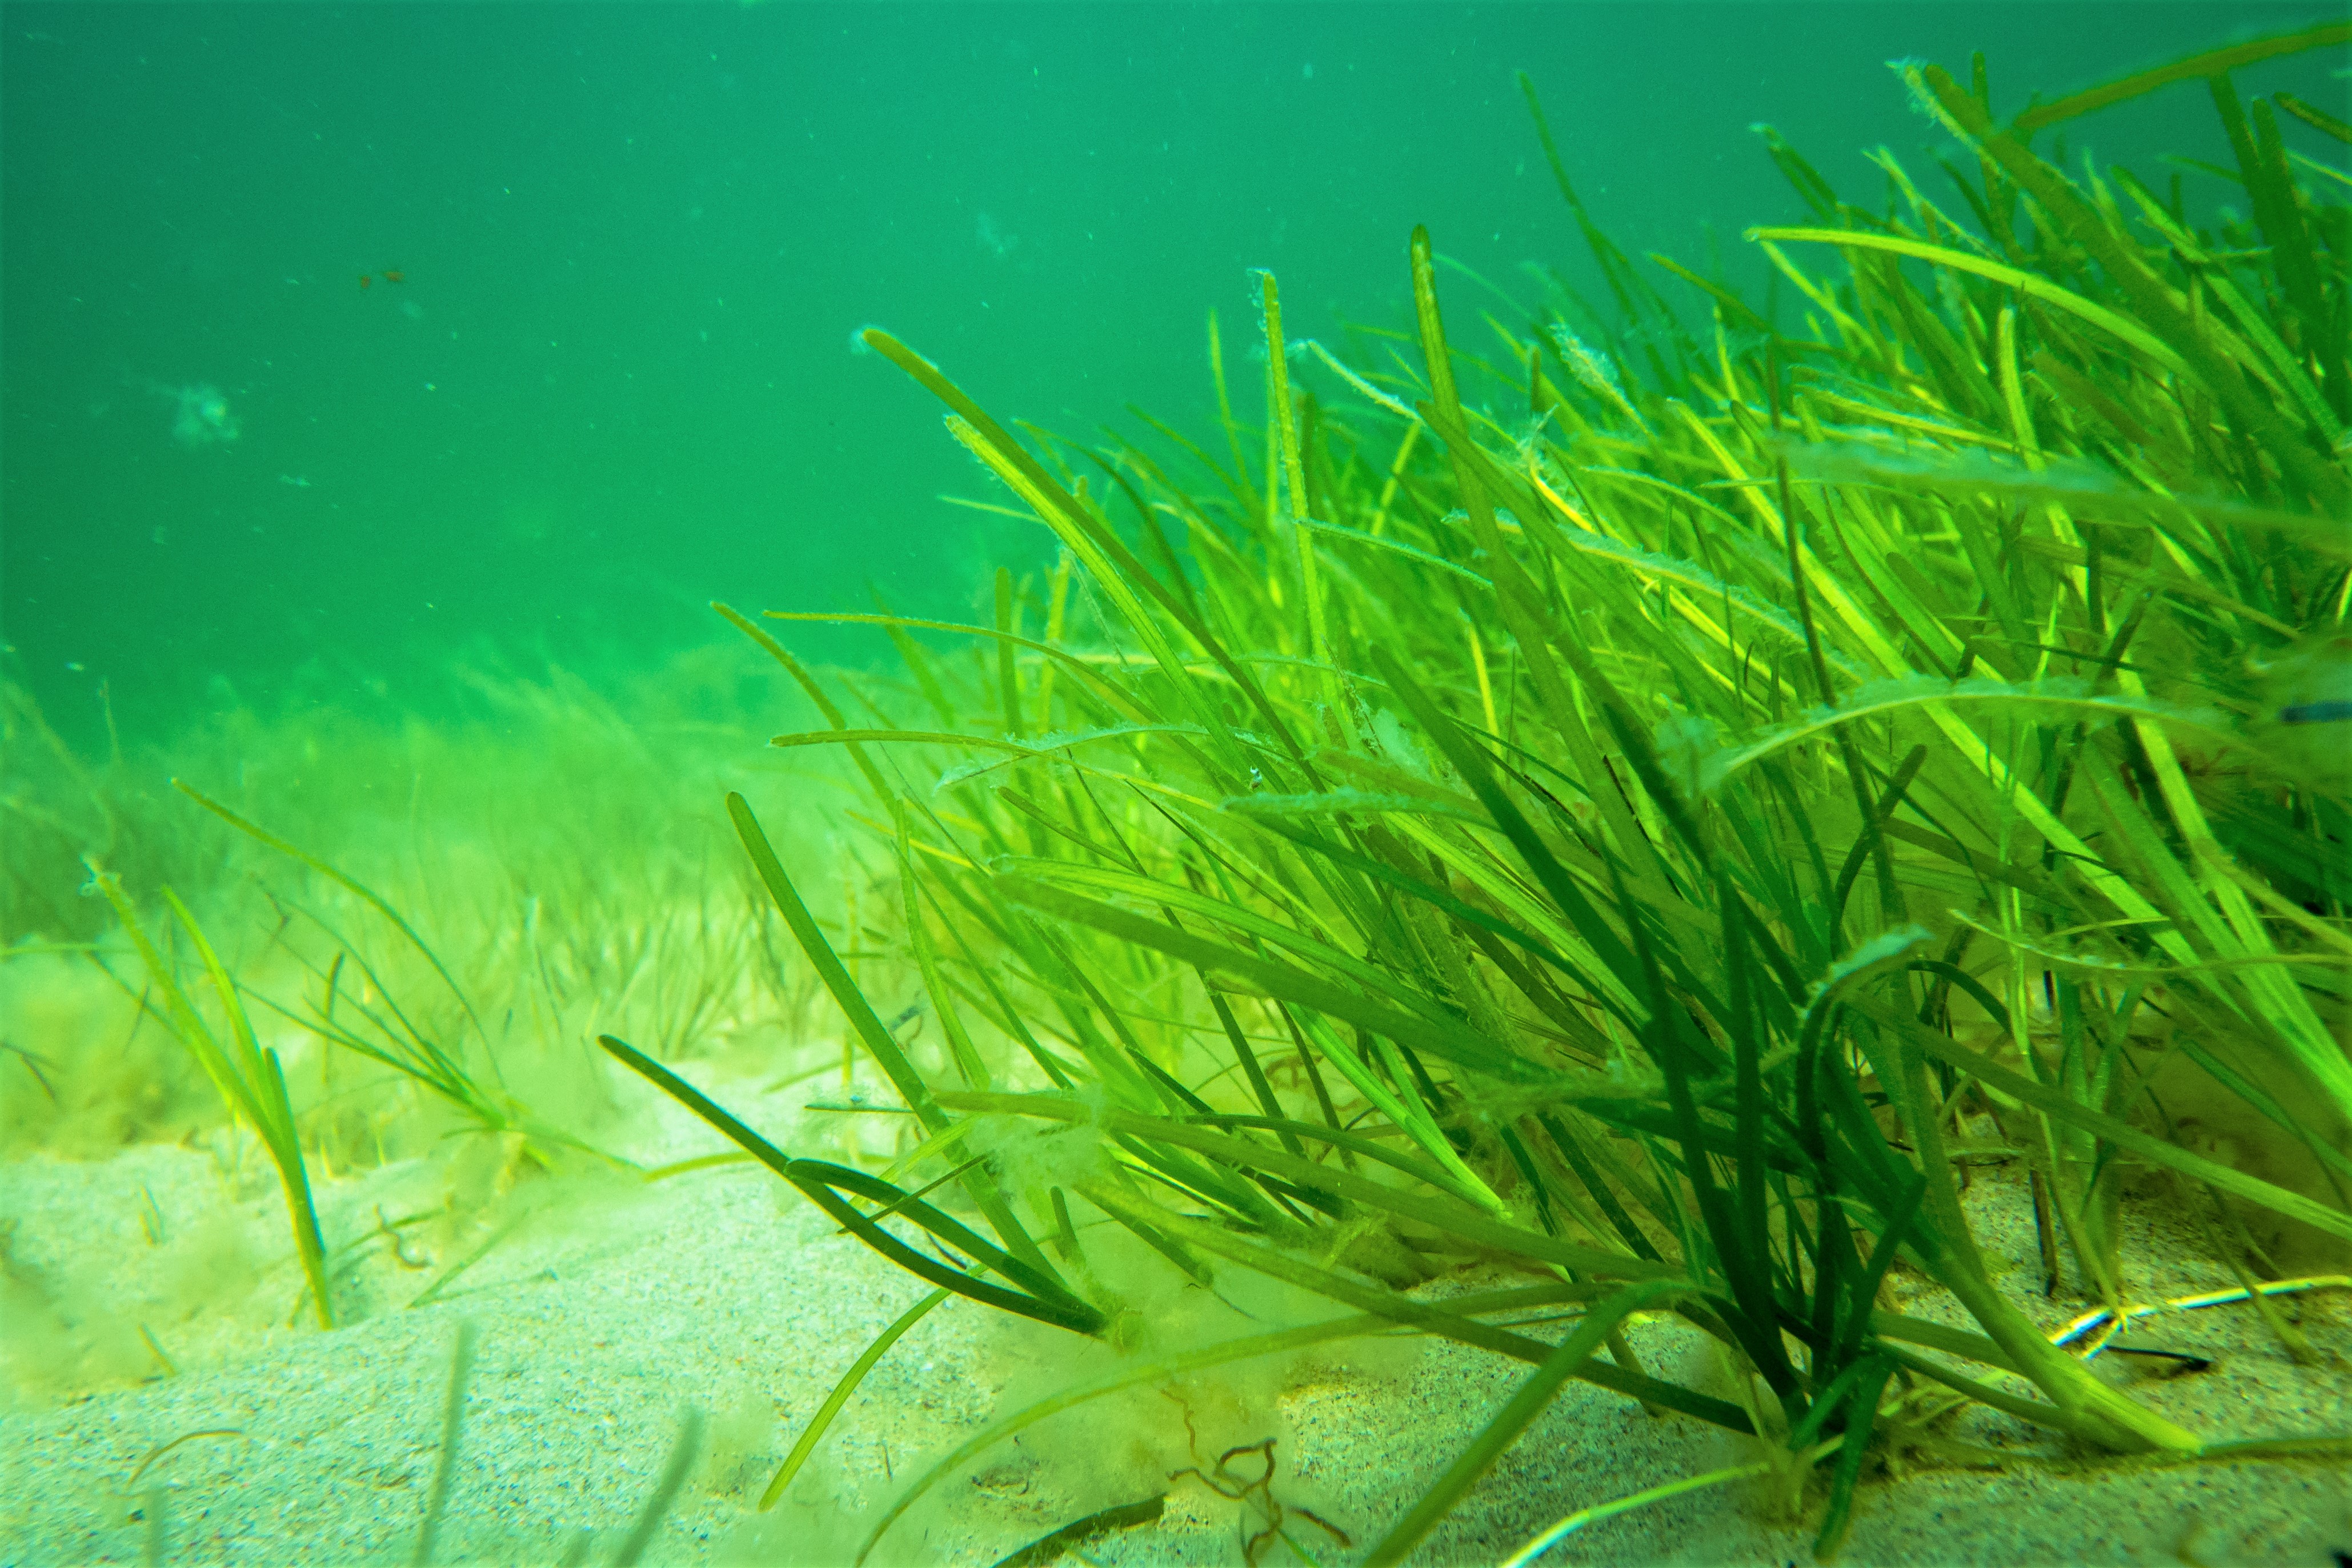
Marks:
<point>340,343</point>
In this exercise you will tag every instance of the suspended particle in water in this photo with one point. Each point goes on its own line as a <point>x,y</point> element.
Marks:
<point>201,415</point>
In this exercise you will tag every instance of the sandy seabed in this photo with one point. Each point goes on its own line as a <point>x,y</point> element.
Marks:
<point>616,1305</point>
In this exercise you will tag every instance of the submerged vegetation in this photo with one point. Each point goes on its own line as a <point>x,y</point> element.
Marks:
<point>1638,799</point>
<point>428,998</point>
<point>1638,804</point>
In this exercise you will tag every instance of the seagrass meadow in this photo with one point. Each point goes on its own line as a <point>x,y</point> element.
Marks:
<point>1673,921</point>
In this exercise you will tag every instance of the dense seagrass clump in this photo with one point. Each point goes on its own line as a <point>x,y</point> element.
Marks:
<point>1639,801</point>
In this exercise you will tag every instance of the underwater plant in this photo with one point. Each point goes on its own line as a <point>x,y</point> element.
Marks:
<point>1640,807</point>
<point>248,1074</point>
<point>399,1017</point>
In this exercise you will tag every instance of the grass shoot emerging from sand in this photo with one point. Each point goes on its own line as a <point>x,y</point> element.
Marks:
<point>1643,804</point>
<point>250,1080</point>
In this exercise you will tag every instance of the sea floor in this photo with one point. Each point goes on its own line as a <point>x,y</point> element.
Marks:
<point>612,1306</point>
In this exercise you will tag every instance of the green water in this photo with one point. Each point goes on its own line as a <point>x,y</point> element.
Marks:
<point>612,381</point>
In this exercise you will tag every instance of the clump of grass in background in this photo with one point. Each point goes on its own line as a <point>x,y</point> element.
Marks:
<point>372,942</point>
<point>1637,801</point>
